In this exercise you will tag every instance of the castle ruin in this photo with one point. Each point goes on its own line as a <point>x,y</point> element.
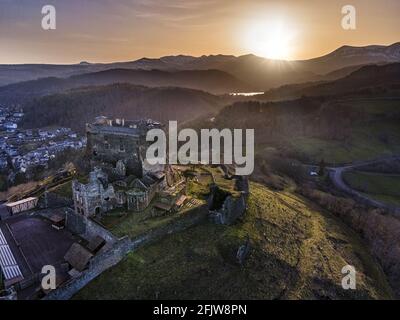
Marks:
<point>121,177</point>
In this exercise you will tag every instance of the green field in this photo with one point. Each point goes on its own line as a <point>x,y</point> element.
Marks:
<point>382,187</point>
<point>127,223</point>
<point>297,252</point>
<point>364,143</point>
<point>374,133</point>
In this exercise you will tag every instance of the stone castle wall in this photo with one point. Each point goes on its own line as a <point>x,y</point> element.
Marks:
<point>121,248</point>
<point>87,228</point>
<point>110,145</point>
<point>233,208</point>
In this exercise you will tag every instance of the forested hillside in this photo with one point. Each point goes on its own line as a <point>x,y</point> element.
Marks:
<point>76,107</point>
<point>312,129</point>
<point>213,81</point>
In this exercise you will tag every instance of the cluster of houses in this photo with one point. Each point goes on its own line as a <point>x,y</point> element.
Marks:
<point>9,118</point>
<point>22,149</point>
<point>40,156</point>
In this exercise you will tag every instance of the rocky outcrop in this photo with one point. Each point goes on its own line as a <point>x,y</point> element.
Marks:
<point>243,251</point>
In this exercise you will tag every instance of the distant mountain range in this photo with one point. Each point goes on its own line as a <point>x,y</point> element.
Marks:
<point>74,107</point>
<point>251,71</point>
<point>347,56</point>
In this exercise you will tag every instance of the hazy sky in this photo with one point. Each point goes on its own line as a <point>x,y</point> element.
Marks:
<point>121,30</point>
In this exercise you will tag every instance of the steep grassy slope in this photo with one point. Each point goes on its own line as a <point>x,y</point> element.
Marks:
<point>297,252</point>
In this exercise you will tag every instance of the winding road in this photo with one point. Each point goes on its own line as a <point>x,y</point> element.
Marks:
<point>336,176</point>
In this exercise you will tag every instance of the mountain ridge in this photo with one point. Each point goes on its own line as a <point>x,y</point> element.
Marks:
<point>262,73</point>
<point>364,78</point>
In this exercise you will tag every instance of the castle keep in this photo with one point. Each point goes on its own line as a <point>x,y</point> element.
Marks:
<point>110,141</point>
<point>120,177</point>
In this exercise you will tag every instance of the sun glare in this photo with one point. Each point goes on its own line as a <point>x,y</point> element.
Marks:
<point>269,40</point>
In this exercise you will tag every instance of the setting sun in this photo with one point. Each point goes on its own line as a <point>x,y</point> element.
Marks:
<point>269,40</point>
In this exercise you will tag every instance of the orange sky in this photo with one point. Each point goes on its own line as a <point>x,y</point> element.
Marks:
<point>121,30</point>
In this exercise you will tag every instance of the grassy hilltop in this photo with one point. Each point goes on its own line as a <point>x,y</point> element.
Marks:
<point>297,251</point>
